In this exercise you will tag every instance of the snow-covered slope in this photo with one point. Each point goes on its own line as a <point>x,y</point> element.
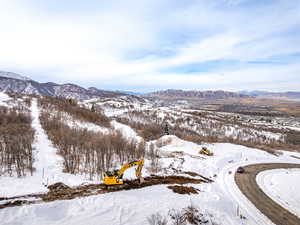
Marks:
<point>282,185</point>
<point>221,198</point>
<point>119,208</point>
<point>3,98</point>
<point>13,75</point>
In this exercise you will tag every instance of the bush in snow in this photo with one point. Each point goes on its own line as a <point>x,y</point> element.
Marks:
<point>157,219</point>
<point>71,107</point>
<point>149,130</point>
<point>16,138</point>
<point>190,215</point>
<point>177,217</point>
<point>210,127</point>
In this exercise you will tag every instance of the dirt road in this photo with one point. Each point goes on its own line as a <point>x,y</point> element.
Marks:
<point>247,184</point>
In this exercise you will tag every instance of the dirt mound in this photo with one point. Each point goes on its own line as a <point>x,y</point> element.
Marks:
<point>58,187</point>
<point>183,190</point>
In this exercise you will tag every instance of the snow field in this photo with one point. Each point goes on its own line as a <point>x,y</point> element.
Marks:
<point>126,130</point>
<point>221,198</point>
<point>3,98</point>
<point>227,157</point>
<point>119,208</point>
<point>282,185</point>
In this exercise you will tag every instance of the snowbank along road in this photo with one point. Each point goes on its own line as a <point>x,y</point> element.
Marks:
<point>249,187</point>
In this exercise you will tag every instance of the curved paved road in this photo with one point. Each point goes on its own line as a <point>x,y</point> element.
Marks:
<point>247,184</point>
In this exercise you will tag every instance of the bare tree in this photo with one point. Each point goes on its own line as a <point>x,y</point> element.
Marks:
<point>86,151</point>
<point>16,138</point>
<point>157,219</point>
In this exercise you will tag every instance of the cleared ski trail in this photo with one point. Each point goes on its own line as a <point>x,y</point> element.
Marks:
<point>47,162</point>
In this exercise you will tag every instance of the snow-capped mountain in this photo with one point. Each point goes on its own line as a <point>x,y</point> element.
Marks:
<point>13,75</point>
<point>11,82</point>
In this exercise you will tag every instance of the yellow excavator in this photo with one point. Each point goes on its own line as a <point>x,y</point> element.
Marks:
<point>206,151</point>
<point>115,177</point>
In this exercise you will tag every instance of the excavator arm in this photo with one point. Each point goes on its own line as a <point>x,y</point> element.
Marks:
<point>138,170</point>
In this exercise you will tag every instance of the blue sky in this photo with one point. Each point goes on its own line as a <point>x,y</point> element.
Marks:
<point>146,45</point>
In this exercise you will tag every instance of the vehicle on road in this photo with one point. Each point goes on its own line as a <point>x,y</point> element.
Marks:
<point>240,169</point>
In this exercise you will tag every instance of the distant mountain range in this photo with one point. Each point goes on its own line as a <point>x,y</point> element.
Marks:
<point>253,93</point>
<point>130,92</point>
<point>266,94</point>
<point>180,94</point>
<point>12,82</point>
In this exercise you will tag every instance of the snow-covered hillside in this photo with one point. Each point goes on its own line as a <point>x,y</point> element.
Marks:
<point>283,186</point>
<point>221,199</point>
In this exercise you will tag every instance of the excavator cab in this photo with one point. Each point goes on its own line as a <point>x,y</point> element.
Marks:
<point>111,177</point>
<point>115,176</point>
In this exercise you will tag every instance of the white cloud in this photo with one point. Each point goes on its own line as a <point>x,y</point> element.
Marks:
<point>94,44</point>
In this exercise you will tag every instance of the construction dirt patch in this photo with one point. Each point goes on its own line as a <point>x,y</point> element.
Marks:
<point>60,191</point>
<point>183,190</point>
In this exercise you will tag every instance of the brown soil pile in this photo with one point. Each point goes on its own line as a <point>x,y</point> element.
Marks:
<point>58,186</point>
<point>183,190</point>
